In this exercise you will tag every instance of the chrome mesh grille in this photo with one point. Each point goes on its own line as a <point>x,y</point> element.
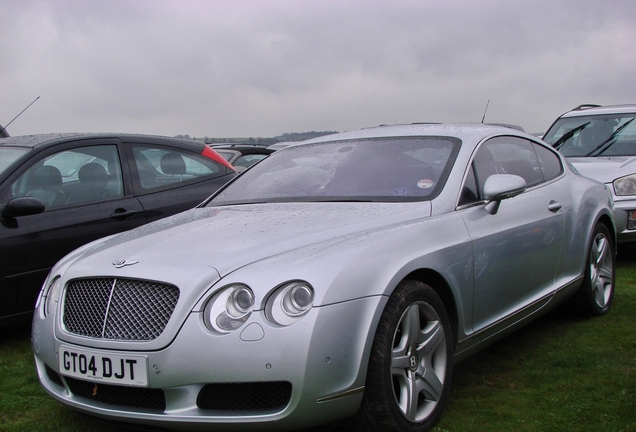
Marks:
<point>120,309</point>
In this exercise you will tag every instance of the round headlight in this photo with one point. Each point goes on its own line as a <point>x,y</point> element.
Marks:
<point>297,300</point>
<point>240,302</point>
<point>229,309</point>
<point>289,303</point>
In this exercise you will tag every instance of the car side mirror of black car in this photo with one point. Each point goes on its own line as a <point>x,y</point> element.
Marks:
<point>499,187</point>
<point>22,206</point>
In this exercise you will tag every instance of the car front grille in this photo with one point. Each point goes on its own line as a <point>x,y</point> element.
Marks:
<point>118,309</point>
<point>245,397</point>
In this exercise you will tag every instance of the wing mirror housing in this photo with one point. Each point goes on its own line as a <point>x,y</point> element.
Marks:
<point>500,187</point>
<point>22,206</point>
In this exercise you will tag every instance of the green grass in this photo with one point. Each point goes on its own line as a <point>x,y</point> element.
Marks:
<point>557,374</point>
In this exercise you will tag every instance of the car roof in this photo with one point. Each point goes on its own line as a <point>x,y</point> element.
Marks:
<point>50,139</point>
<point>463,131</point>
<point>589,109</point>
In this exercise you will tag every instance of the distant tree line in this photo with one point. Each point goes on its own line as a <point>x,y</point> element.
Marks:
<point>294,136</point>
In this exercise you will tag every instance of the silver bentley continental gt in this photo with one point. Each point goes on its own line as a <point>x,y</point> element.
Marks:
<point>338,278</point>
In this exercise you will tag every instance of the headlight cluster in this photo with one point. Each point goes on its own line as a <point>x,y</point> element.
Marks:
<point>49,296</point>
<point>625,185</point>
<point>289,303</point>
<point>229,308</point>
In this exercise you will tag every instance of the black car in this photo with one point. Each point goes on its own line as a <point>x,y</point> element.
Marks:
<point>242,156</point>
<point>60,191</point>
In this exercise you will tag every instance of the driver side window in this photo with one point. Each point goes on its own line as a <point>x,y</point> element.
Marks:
<point>73,176</point>
<point>508,155</point>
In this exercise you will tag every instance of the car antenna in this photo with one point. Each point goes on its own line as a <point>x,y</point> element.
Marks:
<point>484,116</point>
<point>4,128</point>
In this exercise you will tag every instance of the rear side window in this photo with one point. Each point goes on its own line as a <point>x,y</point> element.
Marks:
<point>159,167</point>
<point>550,162</point>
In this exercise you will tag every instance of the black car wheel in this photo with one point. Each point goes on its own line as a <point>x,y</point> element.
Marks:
<point>595,296</point>
<point>408,380</point>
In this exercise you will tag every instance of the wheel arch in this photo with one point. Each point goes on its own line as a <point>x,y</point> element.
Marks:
<point>607,221</point>
<point>436,281</point>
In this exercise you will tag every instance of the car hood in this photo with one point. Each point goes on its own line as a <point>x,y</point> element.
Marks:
<point>259,243</point>
<point>604,169</point>
<point>198,247</point>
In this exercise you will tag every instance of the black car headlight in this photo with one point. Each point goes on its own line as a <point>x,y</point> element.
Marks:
<point>229,308</point>
<point>625,185</point>
<point>289,303</point>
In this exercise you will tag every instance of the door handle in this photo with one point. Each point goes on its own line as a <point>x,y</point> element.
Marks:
<point>121,214</point>
<point>554,206</point>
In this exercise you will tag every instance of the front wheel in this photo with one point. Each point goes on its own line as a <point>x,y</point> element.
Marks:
<point>408,380</point>
<point>595,296</point>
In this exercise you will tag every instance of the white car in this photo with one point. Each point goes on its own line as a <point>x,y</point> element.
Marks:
<point>338,277</point>
<point>600,141</point>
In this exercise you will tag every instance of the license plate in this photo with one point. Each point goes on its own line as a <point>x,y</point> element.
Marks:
<point>130,370</point>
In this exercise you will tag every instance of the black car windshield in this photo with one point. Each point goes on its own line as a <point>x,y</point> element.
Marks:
<point>387,169</point>
<point>8,155</point>
<point>594,135</point>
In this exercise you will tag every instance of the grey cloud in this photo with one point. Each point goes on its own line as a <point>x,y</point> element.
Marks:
<point>254,68</point>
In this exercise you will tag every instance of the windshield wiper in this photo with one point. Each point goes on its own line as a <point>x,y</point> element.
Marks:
<point>566,136</point>
<point>610,140</point>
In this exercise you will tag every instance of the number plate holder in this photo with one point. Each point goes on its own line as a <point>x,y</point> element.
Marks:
<point>104,367</point>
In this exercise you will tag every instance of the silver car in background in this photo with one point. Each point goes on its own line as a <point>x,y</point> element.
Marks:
<point>340,277</point>
<point>600,141</point>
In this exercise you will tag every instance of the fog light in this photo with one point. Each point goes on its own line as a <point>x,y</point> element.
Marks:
<point>631,219</point>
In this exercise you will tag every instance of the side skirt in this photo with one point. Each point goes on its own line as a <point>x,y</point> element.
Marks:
<point>509,324</point>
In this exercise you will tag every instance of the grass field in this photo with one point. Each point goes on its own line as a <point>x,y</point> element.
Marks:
<point>557,374</point>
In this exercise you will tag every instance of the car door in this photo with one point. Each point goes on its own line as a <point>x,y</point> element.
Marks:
<point>86,192</point>
<point>518,249</point>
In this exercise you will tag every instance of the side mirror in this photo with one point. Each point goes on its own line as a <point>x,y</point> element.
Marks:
<point>499,187</point>
<point>22,206</point>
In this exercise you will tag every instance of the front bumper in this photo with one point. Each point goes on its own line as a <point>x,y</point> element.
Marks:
<point>322,358</point>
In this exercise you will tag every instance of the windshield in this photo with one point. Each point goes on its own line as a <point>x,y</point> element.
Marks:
<point>388,169</point>
<point>8,155</point>
<point>600,135</point>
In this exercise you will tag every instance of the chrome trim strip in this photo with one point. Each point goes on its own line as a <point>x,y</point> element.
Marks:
<point>110,298</point>
<point>341,395</point>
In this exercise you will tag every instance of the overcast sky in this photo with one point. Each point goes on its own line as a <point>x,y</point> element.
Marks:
<point>262,68</point>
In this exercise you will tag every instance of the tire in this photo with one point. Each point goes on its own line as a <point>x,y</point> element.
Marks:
<point>410,367</point>
<point>596,294</point>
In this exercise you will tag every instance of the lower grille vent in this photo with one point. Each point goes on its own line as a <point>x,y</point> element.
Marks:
<point>54,376</point>
<point>258,396</point>
<point>131,397</point>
